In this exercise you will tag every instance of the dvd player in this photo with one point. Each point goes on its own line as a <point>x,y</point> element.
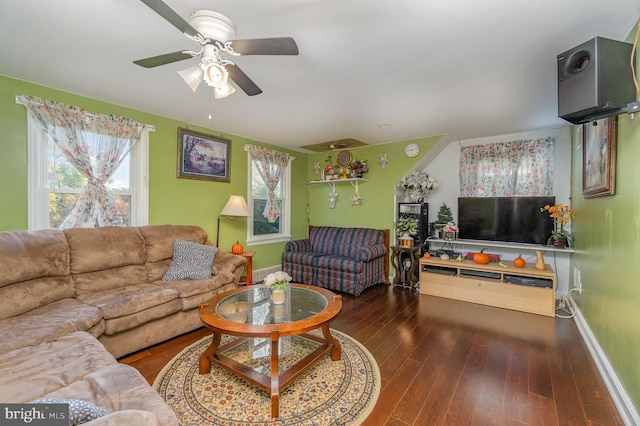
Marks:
<point>528,281</point>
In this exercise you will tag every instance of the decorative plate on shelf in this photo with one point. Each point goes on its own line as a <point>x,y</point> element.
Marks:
<point>344,158</point>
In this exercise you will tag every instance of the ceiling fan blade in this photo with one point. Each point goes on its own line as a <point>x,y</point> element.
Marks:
<point>167,58</point>
<point>266,46</point>
<point>174,19</point>
<point>242,80</point>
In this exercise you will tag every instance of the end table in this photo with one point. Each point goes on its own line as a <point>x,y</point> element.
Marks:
<point>247,279</point>
<point>405,261</point>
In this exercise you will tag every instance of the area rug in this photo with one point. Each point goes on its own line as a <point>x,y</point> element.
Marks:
<point>329,393</point>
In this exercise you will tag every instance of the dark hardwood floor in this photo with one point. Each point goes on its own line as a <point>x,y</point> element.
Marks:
<point>445,362</point>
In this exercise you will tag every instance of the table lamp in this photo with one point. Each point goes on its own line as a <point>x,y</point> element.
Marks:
<point>235,207</point>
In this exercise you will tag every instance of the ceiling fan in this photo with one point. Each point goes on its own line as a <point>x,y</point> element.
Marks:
<point>215,32</point>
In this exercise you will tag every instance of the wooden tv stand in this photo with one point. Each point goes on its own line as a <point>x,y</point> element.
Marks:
<point>522,289</point>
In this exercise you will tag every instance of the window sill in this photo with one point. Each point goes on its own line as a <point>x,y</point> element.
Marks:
<point>270,240</point>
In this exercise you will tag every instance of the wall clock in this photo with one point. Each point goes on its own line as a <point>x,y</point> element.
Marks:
<point>344,158</point>
<point>412,150</point>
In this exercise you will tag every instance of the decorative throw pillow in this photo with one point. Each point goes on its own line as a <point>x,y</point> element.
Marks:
<point>191,261</point>
<point>79,411</point>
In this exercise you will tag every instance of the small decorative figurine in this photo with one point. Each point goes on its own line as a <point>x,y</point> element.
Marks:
<point>383,160</point>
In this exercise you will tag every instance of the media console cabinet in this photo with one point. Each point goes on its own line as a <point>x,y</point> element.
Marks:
<point>522,289</point>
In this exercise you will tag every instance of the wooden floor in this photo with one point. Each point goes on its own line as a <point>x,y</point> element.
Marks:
<point>445,362</point>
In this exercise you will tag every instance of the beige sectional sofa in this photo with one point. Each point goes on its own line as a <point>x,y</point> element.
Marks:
<point>73,301</point>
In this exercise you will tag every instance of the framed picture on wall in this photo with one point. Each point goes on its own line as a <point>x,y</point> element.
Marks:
<point>599,157</point>
<point>202,156</point>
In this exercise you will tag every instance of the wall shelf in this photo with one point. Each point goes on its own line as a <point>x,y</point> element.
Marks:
<point>500,244</point>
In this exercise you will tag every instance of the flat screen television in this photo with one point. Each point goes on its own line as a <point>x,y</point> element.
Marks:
<point>509,219</point>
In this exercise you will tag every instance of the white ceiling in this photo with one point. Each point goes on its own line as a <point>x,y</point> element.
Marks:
<point>463,68</point>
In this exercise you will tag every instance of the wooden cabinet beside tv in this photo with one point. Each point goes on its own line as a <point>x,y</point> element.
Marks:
<point>491,284</point>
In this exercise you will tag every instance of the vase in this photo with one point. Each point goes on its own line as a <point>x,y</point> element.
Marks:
<point>277,296</point>
<point>416,195</point>
<point>560,242</point>
<point>540,265</point>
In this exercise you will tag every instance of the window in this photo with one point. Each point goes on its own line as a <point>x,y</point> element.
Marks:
<point>55,184</point>
<point>263,229</point>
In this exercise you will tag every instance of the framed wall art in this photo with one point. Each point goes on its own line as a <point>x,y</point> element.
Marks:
<point>202,156</point>
<point>599,157</point>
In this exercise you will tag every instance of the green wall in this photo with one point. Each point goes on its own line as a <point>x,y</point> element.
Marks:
<point>607,236</point>
<point>171,200</point>
<point>377,209</point>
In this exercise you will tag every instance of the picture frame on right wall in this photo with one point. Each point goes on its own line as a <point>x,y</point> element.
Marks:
<point>599,145</point>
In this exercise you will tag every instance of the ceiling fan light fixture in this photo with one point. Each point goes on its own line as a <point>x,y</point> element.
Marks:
<point>215,75</point>
<point>192,76</point>
<point>223,91</point>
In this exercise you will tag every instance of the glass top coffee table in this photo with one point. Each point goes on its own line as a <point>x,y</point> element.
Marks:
<point>249,313</point>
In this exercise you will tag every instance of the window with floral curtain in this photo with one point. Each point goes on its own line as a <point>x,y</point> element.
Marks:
<point>269,194</point>
<point>83,152</point>
<point>508,169</point>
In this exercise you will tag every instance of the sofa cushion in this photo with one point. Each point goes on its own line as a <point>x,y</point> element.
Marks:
<point>27,255</point>
<point>191,261</point>
<point>300,258</point>
<point>119,388</point>
<point>97,249</point>
<point>79,411</point>
<point>35,371</point>
<point>109,279</point>
<point>26,296</point>
<point>47,323</point>
<point>339,264</point>
<point>189,290</point>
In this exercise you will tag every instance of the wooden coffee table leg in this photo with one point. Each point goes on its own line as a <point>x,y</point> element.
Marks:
<point>204,364</point>
<point>275,376</point>
<point>336,351</point>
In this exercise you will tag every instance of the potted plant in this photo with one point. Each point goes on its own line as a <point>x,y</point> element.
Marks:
<point>561,216</point>
<point>416,184</point>
<point>406,228</point>
<point>277,282</point>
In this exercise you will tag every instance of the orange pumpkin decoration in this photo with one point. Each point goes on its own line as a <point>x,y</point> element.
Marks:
<point>237,248</point>
<point>481,258</point>
<point>427,255</point>
<point>519,262</point>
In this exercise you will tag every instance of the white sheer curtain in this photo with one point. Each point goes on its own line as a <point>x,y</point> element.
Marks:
<point>508,169</point>
<point>95,144</point>
<point>271,165</point>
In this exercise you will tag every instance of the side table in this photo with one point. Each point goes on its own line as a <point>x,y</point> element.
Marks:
<point>247,279</point>
<point>405,261</point>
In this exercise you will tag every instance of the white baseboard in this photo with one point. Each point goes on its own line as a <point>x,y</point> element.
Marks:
<point>621,399</point>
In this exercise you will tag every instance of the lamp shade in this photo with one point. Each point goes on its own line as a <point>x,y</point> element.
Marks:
<point>236,206</point>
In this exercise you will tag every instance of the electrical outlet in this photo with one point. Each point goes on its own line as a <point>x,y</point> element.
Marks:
<point>577,281</point>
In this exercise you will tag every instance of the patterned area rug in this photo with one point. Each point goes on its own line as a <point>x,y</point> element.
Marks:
<point>329,393</point>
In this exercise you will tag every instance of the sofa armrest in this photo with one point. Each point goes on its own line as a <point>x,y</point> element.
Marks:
<point>298,245</point>
<point>227,262</point>
<point>371,252</point>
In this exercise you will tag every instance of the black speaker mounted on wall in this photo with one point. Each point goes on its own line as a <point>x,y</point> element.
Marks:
<point>595,80</point>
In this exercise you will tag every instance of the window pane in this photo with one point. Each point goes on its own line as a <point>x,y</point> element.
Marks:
<point>61,173</point>
<point>60,205</point>
<point>261,226</point>
<point>119,180</point>
<point>258,188</point>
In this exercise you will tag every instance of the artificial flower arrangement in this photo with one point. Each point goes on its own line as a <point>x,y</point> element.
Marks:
<point>416,179</point>
<point>407,225</point>
<point>277,280</point>
<point>449,230</point>
<point>359,168</point>
<point>561,216</point>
